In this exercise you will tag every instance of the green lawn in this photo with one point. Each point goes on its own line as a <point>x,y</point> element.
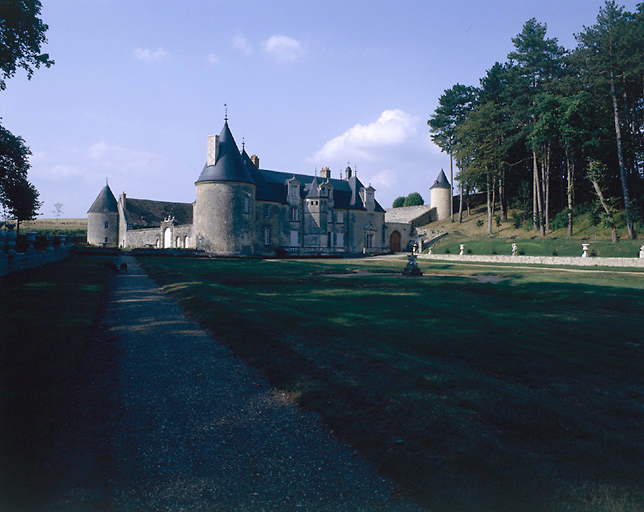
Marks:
<point>523,394</point>
<point>46,316</point>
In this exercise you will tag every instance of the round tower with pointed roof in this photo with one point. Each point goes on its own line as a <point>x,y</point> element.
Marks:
<point>102,219</point>
<point>441,196</point>
<point>223,211</point>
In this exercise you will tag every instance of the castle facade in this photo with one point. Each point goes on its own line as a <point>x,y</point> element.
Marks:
<point>243,210</point>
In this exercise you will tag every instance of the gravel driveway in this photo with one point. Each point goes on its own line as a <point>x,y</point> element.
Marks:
<point>163,417</point>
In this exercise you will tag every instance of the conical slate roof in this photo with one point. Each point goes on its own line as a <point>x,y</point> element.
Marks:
<point>105,202</point>
<point>441,181</point>
<point>312,189</point>
<point>229,165</point>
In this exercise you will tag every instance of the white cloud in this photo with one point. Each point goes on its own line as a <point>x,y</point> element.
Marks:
<point>393,129</point>
<point>212,58</point>
<point>283,48</point>
<point>393,153</point>
<point>241,43</point>
<point>147,55</point>
<point>123,160</point>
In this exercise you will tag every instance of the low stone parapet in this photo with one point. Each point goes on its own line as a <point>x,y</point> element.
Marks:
<point>12,261</point>
<point>539,260</point>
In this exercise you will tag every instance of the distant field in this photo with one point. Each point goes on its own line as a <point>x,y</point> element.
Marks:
<point>71,227</point>
<point>521,394</point>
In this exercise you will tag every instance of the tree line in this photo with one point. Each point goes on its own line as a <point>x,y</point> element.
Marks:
<point>23,34</point>
<point>551,129</point>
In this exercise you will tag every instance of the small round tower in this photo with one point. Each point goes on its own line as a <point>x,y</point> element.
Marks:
<point>223,211</point>
<point>441,196</point>
<point>102,220</point>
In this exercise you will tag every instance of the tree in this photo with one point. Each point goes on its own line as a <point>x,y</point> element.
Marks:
<point>14,159</point>
<point>609,59</point>
<point>23,34</point>
<point>452,110</point>
<point>58,211</point>
<point>398,202</point>
<point>414,199</point>
<point>538,61</point>
<point>596,175</point>
<point>22,201</point>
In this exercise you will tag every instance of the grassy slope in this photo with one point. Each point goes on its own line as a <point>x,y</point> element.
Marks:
<point>556,241</point>
<point>46,316</point>
<point>524,394</point>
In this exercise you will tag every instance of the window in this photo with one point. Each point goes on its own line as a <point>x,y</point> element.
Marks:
<point>267,211</point>
<point>107,224</point>
<point>106,240</point>
<point>339,239</point>
<point>267,235</point>
<point>246,204</point>
<point>339,217</point>
<point>368,243</point>
<point>294,215</point>
<point>295,238</point>
<point>293,190</point>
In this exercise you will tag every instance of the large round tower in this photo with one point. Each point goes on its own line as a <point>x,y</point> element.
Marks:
<point>441,196</point>
<point>103,220</point>
<point>223,211</point>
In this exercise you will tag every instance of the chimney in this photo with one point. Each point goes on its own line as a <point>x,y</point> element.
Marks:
<point>255,160</point>
<point>213,149</point>
<point>325,173</point>
<point>123,200</point>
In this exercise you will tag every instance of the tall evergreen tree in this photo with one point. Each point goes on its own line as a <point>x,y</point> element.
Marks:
<point>453,107</point>
<point>538,61</point>
<point>607,50</point>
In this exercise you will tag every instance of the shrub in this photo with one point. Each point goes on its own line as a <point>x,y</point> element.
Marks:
<point>479,223</point>
<point>497,221</point>
<point>398,202</point>
<point>560,220</point>
<point>414,199</point>
<point>447,251</point>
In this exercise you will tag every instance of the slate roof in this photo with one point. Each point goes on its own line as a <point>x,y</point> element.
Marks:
<point>105,202</point>
<point>441,181</point>
<point>148,213</point>
<point>272,185</point>
<point>229,165</point>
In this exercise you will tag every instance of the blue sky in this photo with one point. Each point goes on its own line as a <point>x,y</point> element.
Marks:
<point>138,86</point>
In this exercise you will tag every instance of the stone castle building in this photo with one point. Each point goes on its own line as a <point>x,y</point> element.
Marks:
<point>243,210</point>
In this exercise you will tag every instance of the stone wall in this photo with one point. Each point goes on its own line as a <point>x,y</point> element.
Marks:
<point>154,237</point>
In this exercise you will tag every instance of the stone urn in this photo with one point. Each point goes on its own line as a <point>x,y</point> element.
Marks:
<point>31,238</point>
<point>11,237</point>
<point>585,249</point>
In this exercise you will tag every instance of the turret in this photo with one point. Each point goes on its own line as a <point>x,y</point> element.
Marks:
<point>223,212</point>
<point>102,219</point>
<point>441,196</point>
